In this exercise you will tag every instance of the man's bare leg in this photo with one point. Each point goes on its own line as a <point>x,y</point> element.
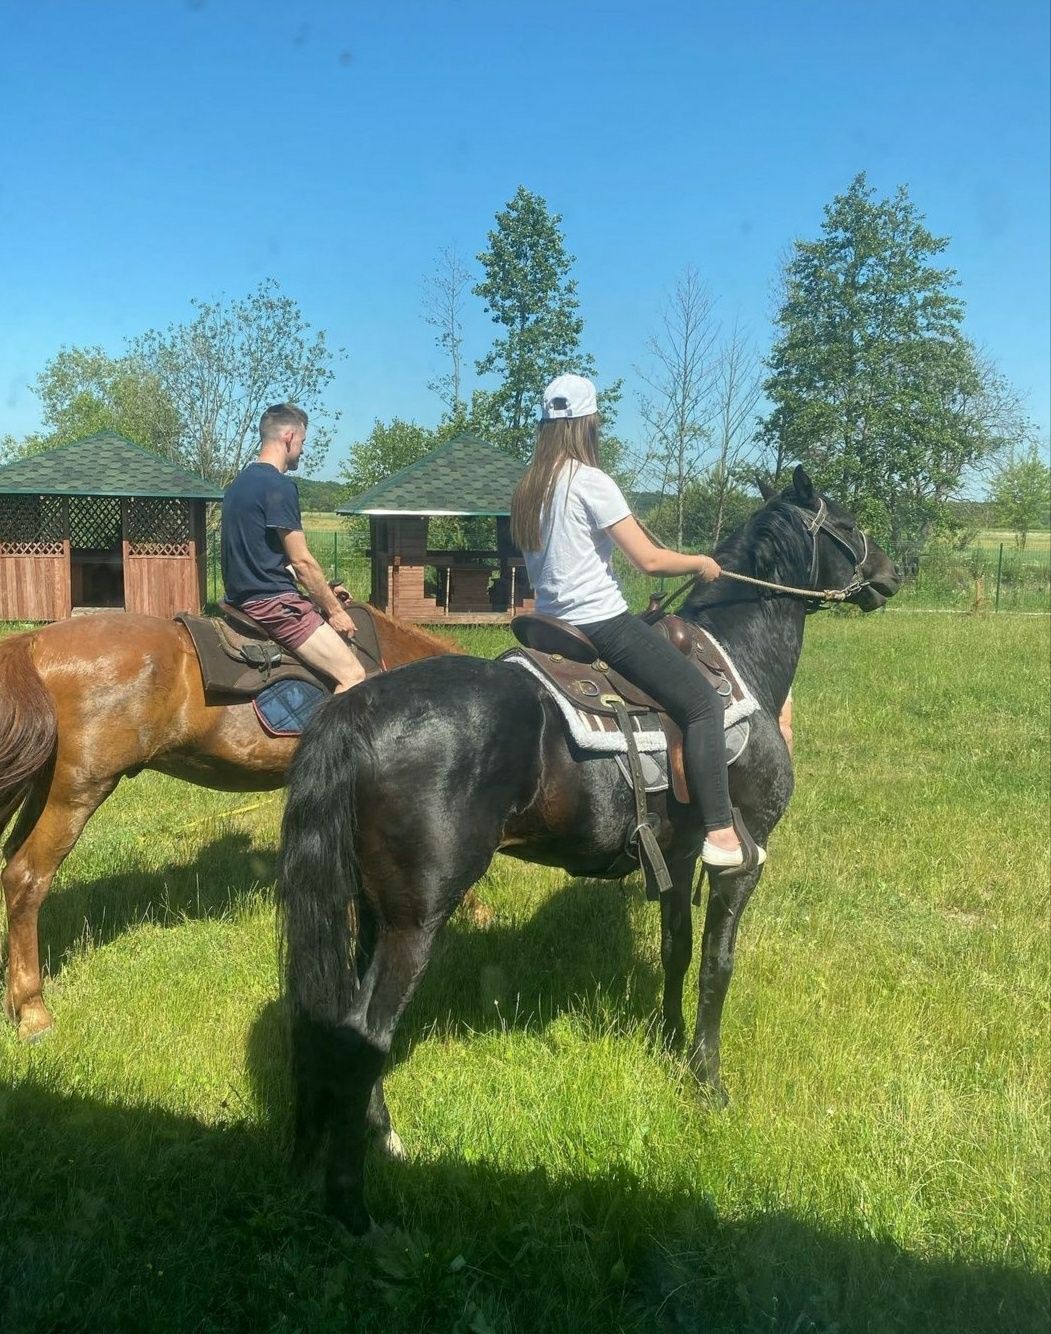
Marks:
<point>331,654</point>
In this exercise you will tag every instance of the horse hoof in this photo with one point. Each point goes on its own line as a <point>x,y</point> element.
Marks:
<point>391,1146</point>
<point>713,1095</point>
<point>34,1024</point>
<point>480,915</point>
<point>354,1217</point>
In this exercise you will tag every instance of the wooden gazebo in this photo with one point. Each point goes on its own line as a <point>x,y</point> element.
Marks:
<point>465,478</point>
<point>101,523</point>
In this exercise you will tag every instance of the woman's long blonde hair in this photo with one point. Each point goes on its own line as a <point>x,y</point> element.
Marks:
<point>565,439</point>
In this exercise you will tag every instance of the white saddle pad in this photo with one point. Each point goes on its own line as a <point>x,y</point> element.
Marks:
<point>601,735</point>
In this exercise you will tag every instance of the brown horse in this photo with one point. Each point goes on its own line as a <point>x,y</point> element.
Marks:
<point>84,703</point>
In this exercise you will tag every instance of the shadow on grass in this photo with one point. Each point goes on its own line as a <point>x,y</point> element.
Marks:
<point>579,947</point>
<point>134,1218</point>
<point>577,953</point>
<point>216,880</point>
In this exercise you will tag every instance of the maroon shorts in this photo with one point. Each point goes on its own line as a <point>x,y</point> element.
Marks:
<point>289,618</point>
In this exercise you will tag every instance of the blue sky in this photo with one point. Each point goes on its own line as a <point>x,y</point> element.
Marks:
<point>152,152</point>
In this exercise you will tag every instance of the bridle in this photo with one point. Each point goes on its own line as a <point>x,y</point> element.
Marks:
<point>813,524</point>
<point>856,583</point>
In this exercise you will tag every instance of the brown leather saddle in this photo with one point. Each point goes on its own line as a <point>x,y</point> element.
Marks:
<point>571,663</point>
<point>239,660</point>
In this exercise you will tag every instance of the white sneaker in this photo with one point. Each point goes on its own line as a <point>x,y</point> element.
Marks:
<point>727,857</point>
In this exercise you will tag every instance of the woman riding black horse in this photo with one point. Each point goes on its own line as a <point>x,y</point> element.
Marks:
<point>566,515</point>
<point>405,787</point>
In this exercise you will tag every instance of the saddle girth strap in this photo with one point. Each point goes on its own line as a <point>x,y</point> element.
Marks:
<point>655,868</point>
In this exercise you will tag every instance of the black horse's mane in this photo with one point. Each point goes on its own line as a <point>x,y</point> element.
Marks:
<point>770,544</point>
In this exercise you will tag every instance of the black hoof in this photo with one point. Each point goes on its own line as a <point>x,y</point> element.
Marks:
<point>352,1214</point>
<point>673,1040</point>
<point>712,1094</point>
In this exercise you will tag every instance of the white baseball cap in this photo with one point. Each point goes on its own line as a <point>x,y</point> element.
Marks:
<point>569,396</point>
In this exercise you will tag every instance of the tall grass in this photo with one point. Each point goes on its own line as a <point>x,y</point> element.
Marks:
<point>883,1163</point>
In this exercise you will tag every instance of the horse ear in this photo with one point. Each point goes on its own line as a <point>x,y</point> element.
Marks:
<point>802,483</point>
<point>767,491</point>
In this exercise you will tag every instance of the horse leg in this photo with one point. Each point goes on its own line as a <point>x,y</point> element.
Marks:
<point>362,1042</point>
<point>48,826</point>
<point>676,946</point>
<point>727,900</point>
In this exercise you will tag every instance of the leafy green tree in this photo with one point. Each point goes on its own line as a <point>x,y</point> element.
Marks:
<point>194,393</point>
<point>229,363</point>
<point>83,391</point>
<point>1021,494</point>
<point>527,290</point>
<point>872,382</point>
<point>393,445</point>
<point>10,448</point>
<point>319,497</point>
<point>388,447</point>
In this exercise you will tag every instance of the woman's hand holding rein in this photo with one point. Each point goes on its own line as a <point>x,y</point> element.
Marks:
<point>708,570</point>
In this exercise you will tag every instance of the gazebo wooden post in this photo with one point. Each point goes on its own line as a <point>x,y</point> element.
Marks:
<point>198,535</point>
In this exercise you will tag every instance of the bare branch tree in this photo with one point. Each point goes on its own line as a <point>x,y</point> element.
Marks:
<point>679,414</point>
<point>443,296</point>
<point>736,391</point>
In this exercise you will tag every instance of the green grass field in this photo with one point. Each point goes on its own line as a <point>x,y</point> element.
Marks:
<point>883,1163</point>
<point>1040,540</point>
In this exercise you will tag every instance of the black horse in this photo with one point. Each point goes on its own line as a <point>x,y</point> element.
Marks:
<point>404,788</point>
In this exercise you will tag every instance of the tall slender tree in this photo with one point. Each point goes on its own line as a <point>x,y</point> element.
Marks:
<point>443,298</point>
<point>736,393</point>
<point>872,382</point>
<point>528,291</point>
<point>678,407</point>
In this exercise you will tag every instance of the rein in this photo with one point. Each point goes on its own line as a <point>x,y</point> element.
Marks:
<point>821,596</point>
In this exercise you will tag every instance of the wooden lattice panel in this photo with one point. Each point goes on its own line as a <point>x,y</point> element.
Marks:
<point>157,526</point>
<point>94,523</point>
<point>31,525</point>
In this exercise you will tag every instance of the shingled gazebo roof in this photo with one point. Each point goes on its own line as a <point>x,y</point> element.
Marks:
<point>465,477</point>
<point>102,465</point>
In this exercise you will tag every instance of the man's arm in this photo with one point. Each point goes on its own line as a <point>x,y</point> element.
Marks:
<point>310,574</point>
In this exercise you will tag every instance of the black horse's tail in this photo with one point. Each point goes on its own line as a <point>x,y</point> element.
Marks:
<point>28,724</point>
<point>321,913</point>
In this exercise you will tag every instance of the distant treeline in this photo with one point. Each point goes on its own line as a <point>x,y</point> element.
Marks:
<point>982,514</point>
<point>321,497</point>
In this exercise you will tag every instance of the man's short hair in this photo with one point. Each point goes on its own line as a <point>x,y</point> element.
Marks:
<point>279,417</point>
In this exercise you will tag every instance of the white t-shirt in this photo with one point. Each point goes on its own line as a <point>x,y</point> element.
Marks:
<point>572,573</point>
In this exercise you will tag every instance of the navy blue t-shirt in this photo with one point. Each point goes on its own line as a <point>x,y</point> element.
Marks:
<point>258,502</point>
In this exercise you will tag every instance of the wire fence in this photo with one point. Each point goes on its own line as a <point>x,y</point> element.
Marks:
<point>335,552</point>
<point>990,578</point>
<point>996,578</point>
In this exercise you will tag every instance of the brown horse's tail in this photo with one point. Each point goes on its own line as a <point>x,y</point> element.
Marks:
<point>28,723</point>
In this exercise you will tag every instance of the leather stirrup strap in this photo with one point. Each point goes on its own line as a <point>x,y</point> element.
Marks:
<point>654,866</point>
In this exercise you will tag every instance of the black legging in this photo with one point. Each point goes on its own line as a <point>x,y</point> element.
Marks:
<point>645,657</point>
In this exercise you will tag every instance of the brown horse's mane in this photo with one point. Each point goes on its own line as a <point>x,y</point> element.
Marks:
<point>429,643</point>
